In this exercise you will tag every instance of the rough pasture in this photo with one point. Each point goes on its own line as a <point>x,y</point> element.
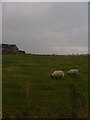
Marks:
<point>46,96</point>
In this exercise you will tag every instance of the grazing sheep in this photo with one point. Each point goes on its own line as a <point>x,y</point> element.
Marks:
<point>73,72</point>
<point>57,74</point>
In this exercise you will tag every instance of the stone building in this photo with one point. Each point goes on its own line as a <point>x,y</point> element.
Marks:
<point>9,49</point>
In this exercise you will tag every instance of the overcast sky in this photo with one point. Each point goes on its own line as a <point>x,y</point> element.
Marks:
<point>0,23</point>
<point>44,0</point>
<point>46,28</point>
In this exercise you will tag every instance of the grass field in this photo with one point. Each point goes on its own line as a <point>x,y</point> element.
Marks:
<point>46,96</point>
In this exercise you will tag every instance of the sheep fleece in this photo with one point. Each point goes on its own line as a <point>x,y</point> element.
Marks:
<point>58,74</point>
<point>73,72</point>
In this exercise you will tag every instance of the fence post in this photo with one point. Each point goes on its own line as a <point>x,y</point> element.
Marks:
<point>27,92</point>
<point>73,100</point>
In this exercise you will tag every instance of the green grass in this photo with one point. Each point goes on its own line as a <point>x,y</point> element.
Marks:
<point>46,95</point>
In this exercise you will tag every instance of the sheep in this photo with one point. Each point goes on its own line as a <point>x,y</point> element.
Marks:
<point>57,74</point>
<point>73,72</point>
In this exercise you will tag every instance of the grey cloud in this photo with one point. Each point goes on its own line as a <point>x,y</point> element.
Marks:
<point>40,27</point>
<point>0,23</point>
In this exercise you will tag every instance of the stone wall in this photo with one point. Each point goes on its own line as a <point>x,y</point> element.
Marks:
<point>21,52</point>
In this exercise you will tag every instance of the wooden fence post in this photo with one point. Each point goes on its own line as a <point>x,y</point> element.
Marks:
<point>27,92</point>
<point>73,100</point>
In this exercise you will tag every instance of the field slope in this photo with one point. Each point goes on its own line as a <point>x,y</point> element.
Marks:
<point>46,96</point>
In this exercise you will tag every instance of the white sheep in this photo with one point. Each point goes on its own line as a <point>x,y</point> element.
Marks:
<point>73,72</point>
<point>57,74</point>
